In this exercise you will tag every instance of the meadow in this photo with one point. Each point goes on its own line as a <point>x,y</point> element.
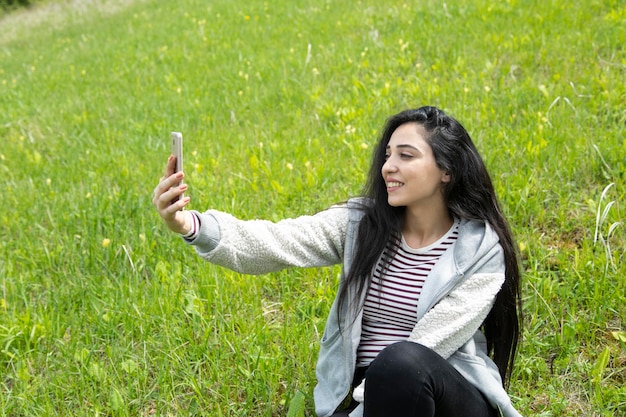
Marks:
<point>103,312</point>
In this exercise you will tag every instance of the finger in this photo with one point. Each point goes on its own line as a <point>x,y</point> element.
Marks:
<point>163,199</point>
<point>167,183</point>
<point>158,191</point>
<point>178,206</point>
<point>169,170</point>
<point>170,166</point>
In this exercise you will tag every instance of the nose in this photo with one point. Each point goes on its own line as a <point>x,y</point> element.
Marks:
<point>389,166</point>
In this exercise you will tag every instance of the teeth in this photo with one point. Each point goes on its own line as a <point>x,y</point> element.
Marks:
<point>393,184</point>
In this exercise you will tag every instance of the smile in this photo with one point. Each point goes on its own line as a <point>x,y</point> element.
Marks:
<point>394,184</point>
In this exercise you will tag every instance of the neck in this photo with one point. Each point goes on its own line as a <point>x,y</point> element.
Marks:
<point>424,227</point>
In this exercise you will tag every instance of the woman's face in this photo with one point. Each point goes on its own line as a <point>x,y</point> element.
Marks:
<point>410,172</point>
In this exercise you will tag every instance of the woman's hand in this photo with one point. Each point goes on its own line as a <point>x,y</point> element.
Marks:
<point>167,203</point>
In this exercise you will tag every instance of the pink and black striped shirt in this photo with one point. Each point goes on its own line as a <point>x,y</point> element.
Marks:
<point>390,309</point>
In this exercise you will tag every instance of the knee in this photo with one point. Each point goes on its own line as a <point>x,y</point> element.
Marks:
<point>402,359</point>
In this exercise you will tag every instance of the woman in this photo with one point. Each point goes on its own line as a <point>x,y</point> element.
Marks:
<point>425,322</point>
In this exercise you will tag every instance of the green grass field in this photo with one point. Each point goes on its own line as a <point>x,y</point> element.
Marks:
<point>103,312</point>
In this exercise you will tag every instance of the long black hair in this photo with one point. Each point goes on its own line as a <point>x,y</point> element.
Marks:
<point>469,195</point>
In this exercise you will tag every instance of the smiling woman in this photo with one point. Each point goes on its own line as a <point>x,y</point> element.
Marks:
<point>430,301</point>
<point>415,181</point>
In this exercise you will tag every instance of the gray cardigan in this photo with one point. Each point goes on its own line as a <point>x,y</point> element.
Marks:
<point>450,312</point>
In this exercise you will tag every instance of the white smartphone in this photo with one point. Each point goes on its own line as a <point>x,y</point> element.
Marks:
<point>177,151</point>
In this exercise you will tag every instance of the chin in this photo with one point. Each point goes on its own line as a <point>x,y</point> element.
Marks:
<point>394,204</point>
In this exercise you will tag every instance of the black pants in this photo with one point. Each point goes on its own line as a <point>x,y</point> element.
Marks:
<point>408,379</point>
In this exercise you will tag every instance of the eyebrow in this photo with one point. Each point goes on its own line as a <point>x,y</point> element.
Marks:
<point>402,146</point>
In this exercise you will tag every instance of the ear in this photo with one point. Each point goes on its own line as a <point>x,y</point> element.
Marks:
<point>446,177</point>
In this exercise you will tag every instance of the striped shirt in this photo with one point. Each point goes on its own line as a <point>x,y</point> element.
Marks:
<point>390,308</point>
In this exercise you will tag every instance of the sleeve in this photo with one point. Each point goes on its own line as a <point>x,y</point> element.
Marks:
<point>455,319</point>
<point>262,246</point>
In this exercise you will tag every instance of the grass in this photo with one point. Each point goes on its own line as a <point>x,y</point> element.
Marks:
<point>103,312</point>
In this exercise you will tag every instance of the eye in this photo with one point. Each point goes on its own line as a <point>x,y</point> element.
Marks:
<point>405,155</point>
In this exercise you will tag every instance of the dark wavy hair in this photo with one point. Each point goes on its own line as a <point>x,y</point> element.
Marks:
<point>469,195</point>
